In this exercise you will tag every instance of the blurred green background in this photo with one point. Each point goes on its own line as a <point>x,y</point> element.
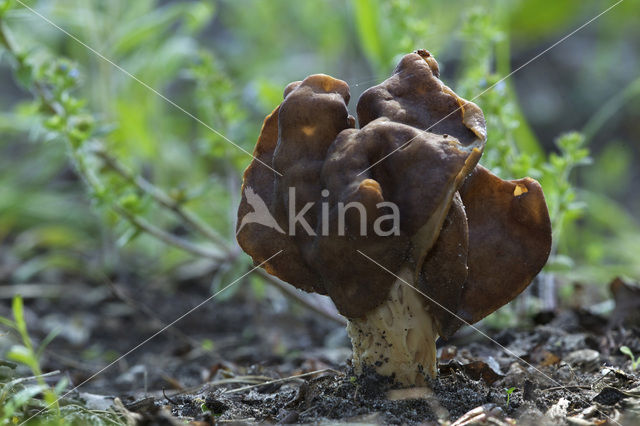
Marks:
<point>227,62</point>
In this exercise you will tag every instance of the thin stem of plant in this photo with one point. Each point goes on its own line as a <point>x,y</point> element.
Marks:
<point>284,379</point>
<point>294,294</point>
<point>606,111</point>
<point>167,237</point>
<point>164,200</point>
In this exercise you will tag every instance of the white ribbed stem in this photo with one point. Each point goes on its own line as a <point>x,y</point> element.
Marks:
<point>398,338</point>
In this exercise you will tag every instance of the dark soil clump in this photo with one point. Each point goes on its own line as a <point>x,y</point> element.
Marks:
<point>267,364</point>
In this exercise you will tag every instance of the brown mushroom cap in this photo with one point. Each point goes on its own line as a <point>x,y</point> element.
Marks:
<point>414,95</point>
<point>417,144</point>
<point>445,270</point>
<point>294,139</point>
<point>421,177</point>
<point>509,240</point>
<point>262,242</point>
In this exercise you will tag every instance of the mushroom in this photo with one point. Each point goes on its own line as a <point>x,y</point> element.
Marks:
<point>395,220</point>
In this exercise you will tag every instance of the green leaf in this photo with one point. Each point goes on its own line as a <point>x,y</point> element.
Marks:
<point>24,76</point>
<point>8,364</point>
<point>18,315</point>
<point>7,322</point>
<point>61,386</point>
<point>5,6</point>
<point>45,342</point>
<point>199,14</point>
<point>23,355</point>
<point>144,30</point>
<point>131,202</point>
<point>627,351</point>
<point>129,235</point>
<point>207,345</point>
<point>55,122</point>
<point>368,25</point>
<point>21,398</point>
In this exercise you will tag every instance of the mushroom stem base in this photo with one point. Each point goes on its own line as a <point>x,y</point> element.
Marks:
<point>398,338</point>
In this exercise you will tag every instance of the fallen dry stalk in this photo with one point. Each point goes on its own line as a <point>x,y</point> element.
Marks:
<point>283,380</point>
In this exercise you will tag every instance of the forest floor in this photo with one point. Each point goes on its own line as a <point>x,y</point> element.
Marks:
<point>243,360</point>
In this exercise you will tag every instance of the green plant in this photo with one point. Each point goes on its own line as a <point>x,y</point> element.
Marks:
<point>207,345</point>
<point>63,111</point>
<point>19,398</point>
<point>94,145</point>
<point>134,205</point>
<point>635,363</point>
<point>509,391</point>
<point>65,117</point>
<point>26,354</point>
<point>514,149</point>
<point>16,396</point>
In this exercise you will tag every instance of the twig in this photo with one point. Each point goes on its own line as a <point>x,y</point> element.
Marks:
<point>38,377</point>
<point>567,387</point>
<point>167,237</point>
<point>294,294</point>
<point>165,200</point>
<point>260,380</point>
<point>257,380</point>
<point>284,379</point>
<point>6,40</point>
<point>167,398</point>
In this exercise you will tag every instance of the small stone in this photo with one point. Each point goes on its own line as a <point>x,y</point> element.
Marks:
<point>290,418</point>
<point>586,359</point>
<point>559,410</point>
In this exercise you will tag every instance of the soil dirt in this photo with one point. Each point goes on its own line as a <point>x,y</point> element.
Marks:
<point>247,359</point>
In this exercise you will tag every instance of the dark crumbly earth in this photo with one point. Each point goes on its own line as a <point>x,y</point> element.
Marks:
<point>234,360</point>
